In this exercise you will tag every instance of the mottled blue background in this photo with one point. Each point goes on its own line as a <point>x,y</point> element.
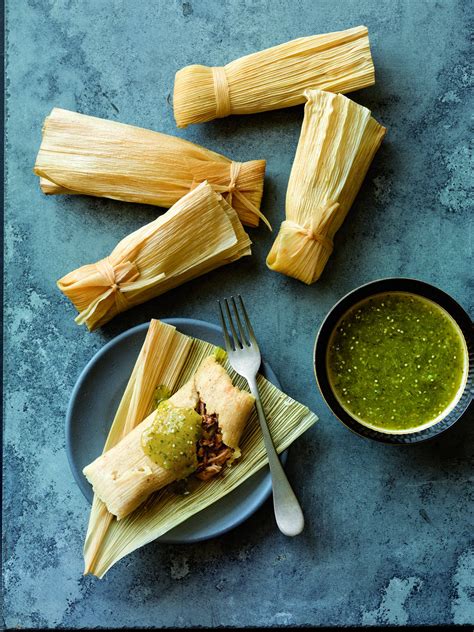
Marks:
<point>389,529</point>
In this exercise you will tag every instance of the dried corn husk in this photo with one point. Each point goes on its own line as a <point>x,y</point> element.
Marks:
<point>171,358</point>
<point>274,78</point>
<point>338,141</point>
<point>199,233</point>
<point>93,156</point>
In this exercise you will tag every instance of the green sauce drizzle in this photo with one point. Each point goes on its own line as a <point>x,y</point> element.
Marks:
<point>171,440</point>
<point>396,361</point>
<point>161,393</point>
<point>220,355</point>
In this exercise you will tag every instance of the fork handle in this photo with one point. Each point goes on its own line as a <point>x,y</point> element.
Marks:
<point>288,513</point>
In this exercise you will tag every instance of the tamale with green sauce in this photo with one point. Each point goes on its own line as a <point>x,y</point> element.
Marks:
<point>172,359</point>
<point>197,429</point>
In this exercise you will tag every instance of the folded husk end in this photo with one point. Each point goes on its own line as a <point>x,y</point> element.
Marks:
<point>197,80</point>
<point>295,254</point>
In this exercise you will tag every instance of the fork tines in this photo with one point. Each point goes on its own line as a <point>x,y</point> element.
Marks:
<point>246,337</point>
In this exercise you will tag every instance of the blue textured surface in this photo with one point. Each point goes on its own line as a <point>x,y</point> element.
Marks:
<point>389,537</point>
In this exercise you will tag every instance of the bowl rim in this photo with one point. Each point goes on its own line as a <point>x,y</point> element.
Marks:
<point>362,292</point>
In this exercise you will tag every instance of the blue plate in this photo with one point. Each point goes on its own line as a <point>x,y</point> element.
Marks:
<point>93,405</point>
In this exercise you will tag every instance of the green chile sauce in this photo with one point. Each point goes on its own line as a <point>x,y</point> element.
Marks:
<point>397,361</point>
<point>171,440</point>
<point>161,393</point>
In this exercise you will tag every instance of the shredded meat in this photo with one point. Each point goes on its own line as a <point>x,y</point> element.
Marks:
<point>212,452</point>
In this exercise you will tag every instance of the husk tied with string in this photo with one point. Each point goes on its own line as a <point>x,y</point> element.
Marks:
<point>171,358</point>
<point>274,78</point>
<point>199,233</point>
<point>338,141</point>
<point>93,156</point>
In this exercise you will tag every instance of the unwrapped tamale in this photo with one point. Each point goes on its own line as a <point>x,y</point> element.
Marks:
<point>93,156</point>
<point>199,233</point>
<point>338,141</point>
<point>125,476</point>
<point>274,78</point>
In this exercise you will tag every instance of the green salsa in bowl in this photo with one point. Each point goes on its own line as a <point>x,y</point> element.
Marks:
<point>392,360</point>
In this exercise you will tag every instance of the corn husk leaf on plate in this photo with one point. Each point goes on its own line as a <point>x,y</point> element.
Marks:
<point>171,358</point>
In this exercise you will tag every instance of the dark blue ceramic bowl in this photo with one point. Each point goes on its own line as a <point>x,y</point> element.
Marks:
<point>361,293</point>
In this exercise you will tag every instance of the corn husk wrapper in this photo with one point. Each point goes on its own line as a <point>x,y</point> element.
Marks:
<point>169,357</point>
<point>338,141</point>
<point>199,233</point>
<point>93,156</point>
<point>274,78</point>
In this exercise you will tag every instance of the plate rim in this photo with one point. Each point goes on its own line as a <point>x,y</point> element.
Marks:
<point>79,478</point>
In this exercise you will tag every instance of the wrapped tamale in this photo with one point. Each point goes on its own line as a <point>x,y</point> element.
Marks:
<point>199,233</point>
<point>197,430</point>
<point>274,78</point>
<point>93,156</point>
<point>338,141</point>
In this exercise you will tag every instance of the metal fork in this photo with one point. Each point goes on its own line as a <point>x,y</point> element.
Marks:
<point>244,356</point>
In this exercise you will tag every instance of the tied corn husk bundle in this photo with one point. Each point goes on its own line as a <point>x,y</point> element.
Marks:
<point>338,141</point>
<point>199,233</point>
<point>274,78</point>
<point>171,358</point>
<point>93,156</point>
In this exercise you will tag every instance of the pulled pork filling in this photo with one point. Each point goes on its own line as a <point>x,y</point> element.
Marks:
<point>212,452</point>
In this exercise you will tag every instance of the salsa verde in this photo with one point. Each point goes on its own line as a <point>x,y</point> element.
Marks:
<point>160,393</point>
<point>171,440</point>
<point>396,361</point>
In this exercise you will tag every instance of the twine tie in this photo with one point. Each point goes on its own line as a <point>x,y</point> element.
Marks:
<point>221,91</point>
